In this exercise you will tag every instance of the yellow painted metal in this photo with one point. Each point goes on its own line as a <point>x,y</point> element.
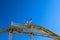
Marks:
<point>40,28</point>
<point>44,30</point>
<point>57,38</point>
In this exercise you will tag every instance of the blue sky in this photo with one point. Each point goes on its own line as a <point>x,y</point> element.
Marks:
<point>43,12</point>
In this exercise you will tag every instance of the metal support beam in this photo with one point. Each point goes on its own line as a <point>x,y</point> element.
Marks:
<point>10,36</point>
<point>32,36</point>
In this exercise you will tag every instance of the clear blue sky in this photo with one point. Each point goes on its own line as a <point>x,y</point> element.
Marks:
<point>44,12</point>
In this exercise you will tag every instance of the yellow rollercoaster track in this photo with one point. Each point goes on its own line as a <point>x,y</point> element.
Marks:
<point>46,32</point>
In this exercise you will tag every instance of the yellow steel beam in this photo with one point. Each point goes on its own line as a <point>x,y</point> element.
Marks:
<point>57,38</point>
<point>44,30</point>
<point>40,28</point>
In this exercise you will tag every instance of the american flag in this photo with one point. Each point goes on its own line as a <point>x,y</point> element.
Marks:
<point>30,21</point>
